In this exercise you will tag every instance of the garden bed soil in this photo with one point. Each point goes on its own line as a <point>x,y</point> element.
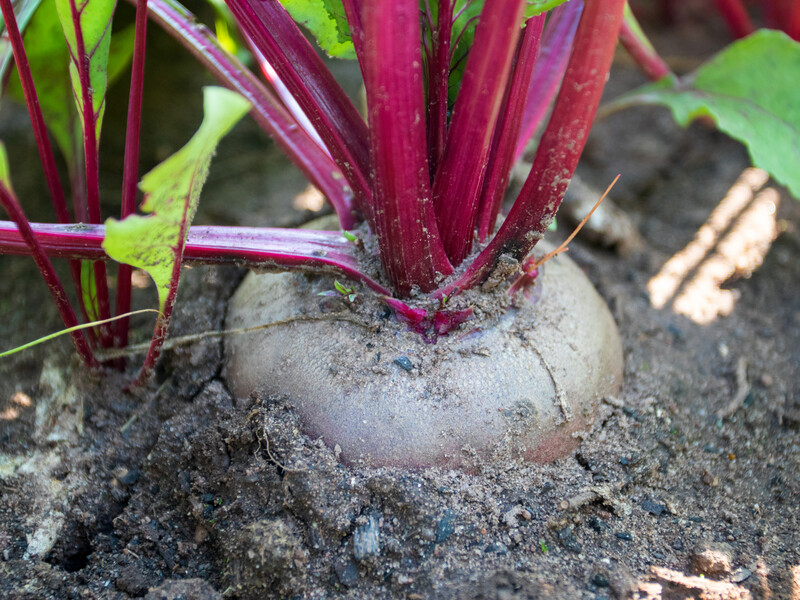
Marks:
<point>686,487</point>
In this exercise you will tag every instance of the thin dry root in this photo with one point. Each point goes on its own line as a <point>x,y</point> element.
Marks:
<point>742,389</point>
<point>563,247</point>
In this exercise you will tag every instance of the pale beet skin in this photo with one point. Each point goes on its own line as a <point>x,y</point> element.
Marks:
<point>517,384</point>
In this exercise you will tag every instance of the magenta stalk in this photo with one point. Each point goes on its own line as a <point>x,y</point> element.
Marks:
<point>260,248</point>
<point>458,180</point>
<point>501,158</point>
<point>92,168</point>
<point>549,69</point>
<point>267,110</point>
<point>736,17</point>
<point>405,225</point>
<point>560,147</point>
<point>35,112</point>
<point>130,175</point>
<point>320,96</point>
<point>438,83</point>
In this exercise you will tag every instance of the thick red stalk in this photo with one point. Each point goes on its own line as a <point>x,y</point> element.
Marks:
<point>458,180</point>
<point>778,13</point>
<point>735,15</point>
<point>438,83</point>
<point>92,157</point>
<point>561,145</point>
<point>130,175</point>
<point>267,110</point>
<point>11,205</point>
<point>320,96</point>
<point>641,50</point>
<point>501,158</point>
<point>34,110</point>
<point>549,69</point>
<point>254,247</point>
<point>352,11</point>
<point>793,26</point>
<point>405,224</point>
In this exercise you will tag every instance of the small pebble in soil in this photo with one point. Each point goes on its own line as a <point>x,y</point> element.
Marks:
<point>624,535</point>
<point>567,539</point>
<point>498,548</point>
<point>600,580</point>
<point>676,331</point>
<point>740,574</point>
<point>597,524</point>
<point>712,558</point>
<point>654,508</point>
<point>404,363</point>
<point>631,413</point>
<point>446,526</point>
<point>366,539</point>
<point>128,477</point>
<point>696,519</point>
<point>346,572</point>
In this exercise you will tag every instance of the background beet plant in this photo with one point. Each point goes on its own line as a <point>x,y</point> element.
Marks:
<point>455,90</point>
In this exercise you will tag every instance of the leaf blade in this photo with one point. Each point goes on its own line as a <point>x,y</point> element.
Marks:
<point>748,90</point>
<point>154,242</point>
<point>326,20</point>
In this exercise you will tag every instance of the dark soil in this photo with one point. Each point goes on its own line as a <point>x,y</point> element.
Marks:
<point>687,486</point>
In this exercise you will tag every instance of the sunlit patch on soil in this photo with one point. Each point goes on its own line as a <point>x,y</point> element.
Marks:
<point>21,399</point>
<point>309,199</point>
<point>732,243</point>
<point>9,414</point>
<point>16,401</point>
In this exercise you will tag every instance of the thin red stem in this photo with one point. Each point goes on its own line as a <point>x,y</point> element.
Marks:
<point>9,202</point>
<point>320,96</point>
<point>92,158</point>
<point>549,69</point>
<point>130,175</point>
<point>438,83</point>
<point>501,158</point>
<point>457,184</point>
<point>793,27</point>
<point>34,110</point>
<point>268,110</point>
<point>641,50</point>
<point>561,145</point>
<point>40,135</point>
<point>352,11</point>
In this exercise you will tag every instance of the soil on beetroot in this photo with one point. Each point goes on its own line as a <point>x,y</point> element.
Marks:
<point>686,487</point>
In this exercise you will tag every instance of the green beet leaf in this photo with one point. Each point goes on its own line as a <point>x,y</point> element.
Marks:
<point>154,242</point>
<point>89,21</point>
<point>325,19</point>
<point>750,92</point>
<point>24,11</point>
<point>49,61</point>
<point>537,7</point>
<point>5,172</point>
